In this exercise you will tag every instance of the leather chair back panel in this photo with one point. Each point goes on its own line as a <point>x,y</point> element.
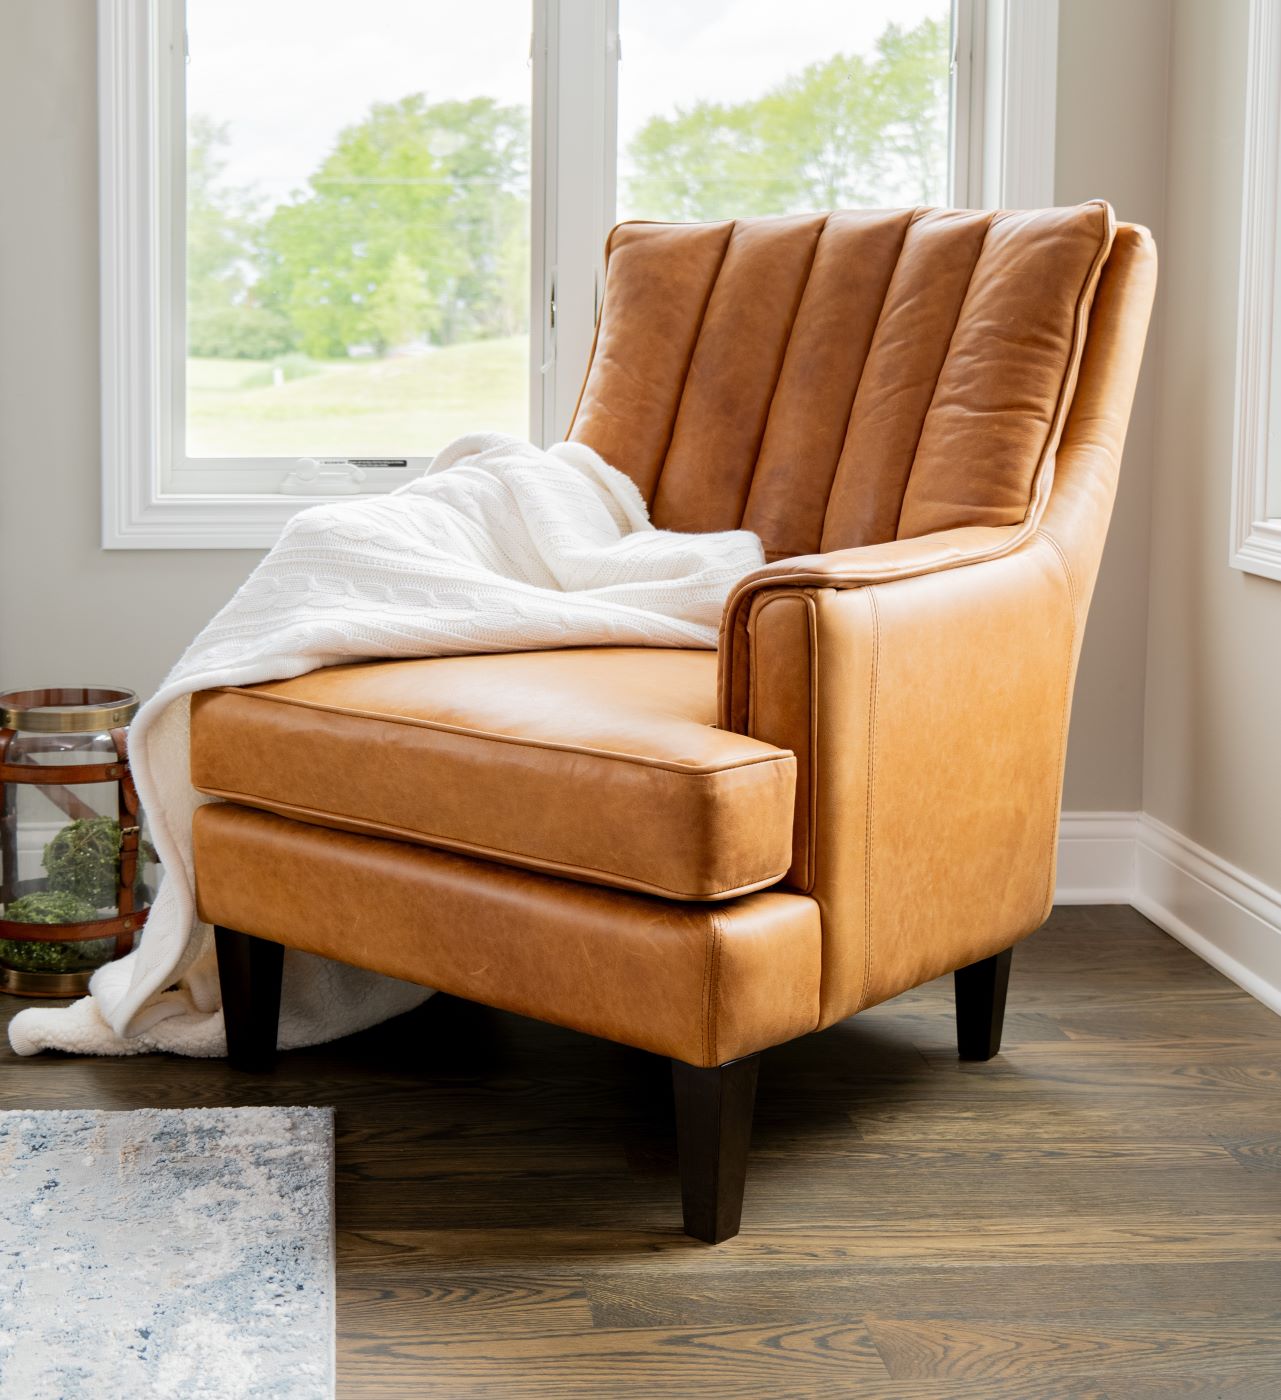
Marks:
<point>921,305</point>
<point>737,361</point>
<point>659,281</point>
<point>806,430</point>
<point>840,380</point>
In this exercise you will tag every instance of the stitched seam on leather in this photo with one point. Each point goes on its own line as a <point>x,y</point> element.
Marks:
<point>753,614</point>
<point>1063,721</point>
<point>338,821</point>
<point>733,661</point>
<point>947,355</point>
<point>689,363</point>
<point>705,1004</point>
<point>759,603</point>
<point>713,991</point>
<point>778,369</point>
<point>849,413</point>
<point>873,699</point>
<point>1067,571</point>
<point>811,842</point>
<point>684,770</point>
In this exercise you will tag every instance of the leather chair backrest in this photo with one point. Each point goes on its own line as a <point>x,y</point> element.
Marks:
<point>846,379</point>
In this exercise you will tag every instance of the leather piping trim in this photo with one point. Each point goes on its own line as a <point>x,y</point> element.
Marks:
<point>690,770</point>
<point>711,998</point>
<point>615,880</point>
<point>1064,714</point>
<point>810,757</point>
<point>873,698</point>
<point>811,841</point>
<point>1067,570</point>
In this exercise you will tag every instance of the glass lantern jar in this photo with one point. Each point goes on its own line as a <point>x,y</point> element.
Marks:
<point>73,884</point>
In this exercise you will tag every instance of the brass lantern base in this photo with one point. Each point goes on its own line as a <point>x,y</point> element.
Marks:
<point>44,984</point>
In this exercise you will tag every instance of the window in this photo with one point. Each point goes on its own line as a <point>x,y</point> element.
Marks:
<point>357,237</point>
<point>1255,545</point>
<point>723,111</point>
<point>350,232</point>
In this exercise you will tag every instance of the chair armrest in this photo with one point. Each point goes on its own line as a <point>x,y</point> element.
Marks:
<point>924,687</point>
<point>848,568</point>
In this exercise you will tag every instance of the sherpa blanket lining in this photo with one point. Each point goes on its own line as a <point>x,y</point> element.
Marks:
<point>500,546</point>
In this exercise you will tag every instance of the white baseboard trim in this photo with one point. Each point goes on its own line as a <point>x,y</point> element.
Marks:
<point>1096,857</point>
<point>1224,915</point>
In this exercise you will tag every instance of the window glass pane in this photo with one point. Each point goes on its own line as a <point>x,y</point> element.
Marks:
<point>729,108</point>
<point>357,225</point>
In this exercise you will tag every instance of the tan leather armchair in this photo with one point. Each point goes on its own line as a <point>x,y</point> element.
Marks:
<point>921,413</point>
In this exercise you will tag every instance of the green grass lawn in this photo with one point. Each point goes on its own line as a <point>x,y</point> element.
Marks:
<point>408,405</point>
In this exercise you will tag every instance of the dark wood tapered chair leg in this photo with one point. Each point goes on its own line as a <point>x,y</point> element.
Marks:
<point>713,1132</point>
<point>980,1006</point>
<point>249,974</point>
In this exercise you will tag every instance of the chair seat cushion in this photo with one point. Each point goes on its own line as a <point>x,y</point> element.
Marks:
<point>602,764</point>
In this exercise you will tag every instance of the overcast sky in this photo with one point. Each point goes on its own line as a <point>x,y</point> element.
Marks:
<point>287,75</point>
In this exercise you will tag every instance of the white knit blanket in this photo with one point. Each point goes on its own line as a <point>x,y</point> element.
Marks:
<point>500,546</point>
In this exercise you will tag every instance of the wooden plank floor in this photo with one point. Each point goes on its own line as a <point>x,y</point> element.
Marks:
<point>1095,1213</point>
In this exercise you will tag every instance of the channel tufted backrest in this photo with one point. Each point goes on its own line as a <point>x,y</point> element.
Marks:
<point>844,379</point>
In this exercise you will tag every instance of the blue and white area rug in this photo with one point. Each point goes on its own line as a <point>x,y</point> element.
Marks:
<point>169,1252</point>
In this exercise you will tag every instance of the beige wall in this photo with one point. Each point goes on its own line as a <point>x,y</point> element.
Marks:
<point>1111,144</point>
<point>69,611</point>
<point>1212,752</point>
<point>72,612</point>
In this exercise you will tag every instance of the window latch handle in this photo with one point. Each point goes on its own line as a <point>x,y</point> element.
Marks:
<point>323,476</point>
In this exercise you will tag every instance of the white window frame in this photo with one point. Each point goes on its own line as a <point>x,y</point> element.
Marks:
<point>1255,544</point>
<point>1004,115</point>
<point>1002,154</point>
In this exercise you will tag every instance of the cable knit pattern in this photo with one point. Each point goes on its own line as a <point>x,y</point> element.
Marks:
<point>500,546</point>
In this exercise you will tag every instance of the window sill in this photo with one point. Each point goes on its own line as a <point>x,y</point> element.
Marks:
<point>189,520</point>
<point>1258,551</point>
